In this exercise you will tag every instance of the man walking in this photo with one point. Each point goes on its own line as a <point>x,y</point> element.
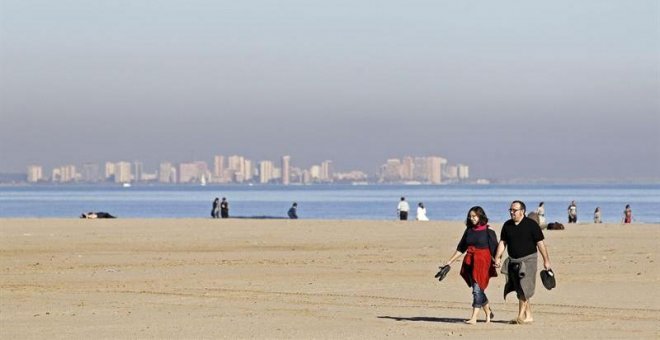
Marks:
<point>402,209</point>
<point>224,208</point>
<point>521,236</point>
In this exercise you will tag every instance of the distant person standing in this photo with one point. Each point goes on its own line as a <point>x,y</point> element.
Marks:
<point>215,211</point>
<point>421,212</point>
<point>627,215</point>
<point>597,218</point>
<point>293,214</point>
<point>224,208</point>
<point>572,213</point>
<point>402,209</point>
<point>540,212</point>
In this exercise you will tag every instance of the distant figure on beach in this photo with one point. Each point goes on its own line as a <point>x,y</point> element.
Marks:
<point>402,209</point>
<point>224,208</point>
<point>597,218</point>
<point>95,215</point>
<point>215,210</point>
<point>421,212</point>
<point>293,211</point>
<point>540,212</point>
<point>627,215</point>
<point>479,243</point>
<point>521,237</point>
<point>572,213</point>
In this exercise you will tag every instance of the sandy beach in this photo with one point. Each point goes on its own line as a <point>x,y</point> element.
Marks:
<point>203,278</point>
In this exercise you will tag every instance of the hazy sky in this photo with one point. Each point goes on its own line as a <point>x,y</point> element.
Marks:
<point>559,89</point>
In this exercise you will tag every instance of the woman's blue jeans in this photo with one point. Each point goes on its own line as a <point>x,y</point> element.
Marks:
<point>478,296</point>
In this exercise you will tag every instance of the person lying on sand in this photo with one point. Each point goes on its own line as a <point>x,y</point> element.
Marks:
<point>94,215</point>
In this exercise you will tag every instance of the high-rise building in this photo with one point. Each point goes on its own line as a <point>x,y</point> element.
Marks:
<point>90,172</point>
<point>421,168</point>
<point>265,171</point>
<point>139,169</point>
<point>326,171</point>
<point>315,173</point>
<point>407,168</point>
<point>166,173</point>
<point>64,174</point>
<point>122,172</point>
<point>463,171</point>
<point>286,170</point>
<point>391,171</point>
<point>451,171</point>
<point>34,173</point>
<point>306,177</point>
<point>55,175</point>
<point>109,171</point>
<point>219,168</point>
<point>248,170</point>
<point>193,172</point>
<point>237,165</point>
<point>435,165</point>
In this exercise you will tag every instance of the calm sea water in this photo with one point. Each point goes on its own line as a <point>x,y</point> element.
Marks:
<point>449,202</point>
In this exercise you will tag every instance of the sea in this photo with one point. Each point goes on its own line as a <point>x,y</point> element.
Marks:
<point>330,202</point>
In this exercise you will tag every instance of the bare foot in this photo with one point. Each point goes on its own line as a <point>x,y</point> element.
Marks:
<point>489,314</point>
<point>519,321</point>
<point>471,322</point>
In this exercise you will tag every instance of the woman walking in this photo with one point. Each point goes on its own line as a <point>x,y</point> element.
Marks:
<point>479,244</point>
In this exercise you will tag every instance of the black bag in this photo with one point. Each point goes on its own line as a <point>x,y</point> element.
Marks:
<point>555,226</point>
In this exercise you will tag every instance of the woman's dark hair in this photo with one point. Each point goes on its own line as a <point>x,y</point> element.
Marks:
<point>479,211</point>
<point>541,204</point>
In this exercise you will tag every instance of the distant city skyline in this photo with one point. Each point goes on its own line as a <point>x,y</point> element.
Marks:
<point>239,169</point>
<point>517,90</point>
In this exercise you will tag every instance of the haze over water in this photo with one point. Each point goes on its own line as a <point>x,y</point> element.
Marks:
<point>555,90</point>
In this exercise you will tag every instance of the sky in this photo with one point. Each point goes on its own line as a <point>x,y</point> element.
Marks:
<point>515,89</point>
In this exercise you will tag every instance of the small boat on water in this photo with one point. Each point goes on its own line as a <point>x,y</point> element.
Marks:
<point>126,185</point>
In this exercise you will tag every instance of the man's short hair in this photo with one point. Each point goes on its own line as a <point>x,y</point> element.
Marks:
<point>522,204</point>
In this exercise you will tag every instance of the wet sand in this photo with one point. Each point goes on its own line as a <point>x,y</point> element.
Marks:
<point>203,278</point>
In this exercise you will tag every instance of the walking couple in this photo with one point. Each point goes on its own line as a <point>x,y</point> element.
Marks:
<point>521,237</point>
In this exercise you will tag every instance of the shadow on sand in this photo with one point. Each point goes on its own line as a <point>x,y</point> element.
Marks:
<point>432,319</point>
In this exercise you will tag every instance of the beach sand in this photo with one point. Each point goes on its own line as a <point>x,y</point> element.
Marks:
<point>199,278</point>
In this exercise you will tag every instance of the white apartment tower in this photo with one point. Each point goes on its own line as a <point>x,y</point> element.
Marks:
<point>34,173</point>
<point>248,170</point>
<point>237,166</point>
<point>122,172</point>
<point>265,171</point>
<point>326,171</point>
<point>286,170</point>
<point>407,168</point>
<point>166,173</point>
<point>219,168</point>
<point>463,171</point>
<point>435,165</point>
<point>139,168</point>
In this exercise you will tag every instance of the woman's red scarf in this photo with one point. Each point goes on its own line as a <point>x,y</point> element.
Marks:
<point>477,264</point>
